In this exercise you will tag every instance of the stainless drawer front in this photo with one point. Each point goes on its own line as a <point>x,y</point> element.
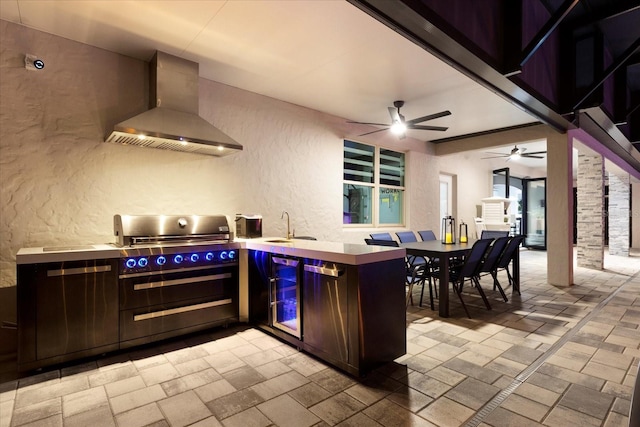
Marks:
<point>178,310</point>
<point>185,281</point>
<point>79,270</point>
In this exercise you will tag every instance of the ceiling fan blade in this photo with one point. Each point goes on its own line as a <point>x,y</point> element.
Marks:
<point>395,115</point>
<point>497,154</point>
<point>536,152</point>
<point>373,131</point>
<point>495,157</point>
<point>365,123</point>
<point>429,117</point>
<point>529,156</point>
<point>421,127</point>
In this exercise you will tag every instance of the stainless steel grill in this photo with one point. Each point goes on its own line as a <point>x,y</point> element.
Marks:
<point>177,273</point>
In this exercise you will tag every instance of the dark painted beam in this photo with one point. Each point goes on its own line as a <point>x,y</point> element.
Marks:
<point>400,17</point>
<point>486,132</point>
<point>606,10</point>
<point>612,68</point>
<point>620,96</point>
<point>511,37</point>
<point>547,29</point>
<point>596,122</point>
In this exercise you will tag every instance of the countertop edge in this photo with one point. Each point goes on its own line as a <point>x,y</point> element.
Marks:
<point>343,253</point>
<point>297,249</point>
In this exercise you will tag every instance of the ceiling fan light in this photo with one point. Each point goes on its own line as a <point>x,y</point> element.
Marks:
<point>398,128</point>
<point>515,156</point>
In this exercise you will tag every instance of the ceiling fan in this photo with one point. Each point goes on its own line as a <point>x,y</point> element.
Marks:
<point>399,125</point>
<point>516,153</point>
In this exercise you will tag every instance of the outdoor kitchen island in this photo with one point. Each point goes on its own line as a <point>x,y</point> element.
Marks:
<point>343,303</point>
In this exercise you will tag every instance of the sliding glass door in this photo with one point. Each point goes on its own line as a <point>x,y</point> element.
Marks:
<point>535,213</point>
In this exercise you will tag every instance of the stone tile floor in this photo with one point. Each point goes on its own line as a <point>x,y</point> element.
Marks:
<point>554,356</point>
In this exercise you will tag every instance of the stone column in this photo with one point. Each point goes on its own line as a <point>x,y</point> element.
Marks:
<point>619,195</point>
<point>590,211</point>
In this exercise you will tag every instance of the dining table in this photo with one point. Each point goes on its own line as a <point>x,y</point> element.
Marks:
<point>444,253</point>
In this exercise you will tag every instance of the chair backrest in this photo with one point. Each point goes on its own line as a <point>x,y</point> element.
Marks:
<point>493,254</point>
<point>509,251</point>
<point>383,242</point>
<point>406,236</point>
<point>473,261</point>
<point>381,236</point>
<point>493,234</point>
<point>426,235</point>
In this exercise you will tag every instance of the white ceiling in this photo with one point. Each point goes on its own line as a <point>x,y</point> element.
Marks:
<point>326,55</point>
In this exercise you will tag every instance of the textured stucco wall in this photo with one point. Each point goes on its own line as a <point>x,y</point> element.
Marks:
<point>61,184</point>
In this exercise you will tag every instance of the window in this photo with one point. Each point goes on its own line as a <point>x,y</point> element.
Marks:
<point>373,188</point>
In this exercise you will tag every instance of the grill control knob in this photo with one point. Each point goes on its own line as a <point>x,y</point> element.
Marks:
<point>131,262</point>
<point>142,262</point>
<point>195,257</point>
<point>223,255</point>
<point>178,259</point>
<point>232,254</point>
<point>161,260</point>
<point>209,256</point>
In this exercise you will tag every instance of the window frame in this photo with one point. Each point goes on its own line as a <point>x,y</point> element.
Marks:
<point>376,187</point>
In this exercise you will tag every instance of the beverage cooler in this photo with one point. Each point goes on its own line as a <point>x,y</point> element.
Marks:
<point>284,296</point>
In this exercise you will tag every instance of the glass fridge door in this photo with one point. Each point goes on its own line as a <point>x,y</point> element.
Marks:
<point>535,213</point>
<point>285,295</point>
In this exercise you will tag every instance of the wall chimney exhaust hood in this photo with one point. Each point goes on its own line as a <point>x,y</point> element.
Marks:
<point>172,122</point>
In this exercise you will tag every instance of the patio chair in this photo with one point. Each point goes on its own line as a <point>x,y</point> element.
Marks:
<point>406,236</point>
<point>414,272</point>
<point>493,234</point>
<point>432,270</point>
<point>490,262</point>
<point>381,236</point>
<point>505,260</point>
<point>469,270</point>
<point>427,235</point>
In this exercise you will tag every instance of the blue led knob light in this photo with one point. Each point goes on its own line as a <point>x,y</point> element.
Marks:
<point>223,255</point>
<point>195,257</point>
<point>131,262</point>
<point>161,260</point>
<point>209,256</point>
<point>178,259</point>
<point>142,262</point>
<point>232,254</point>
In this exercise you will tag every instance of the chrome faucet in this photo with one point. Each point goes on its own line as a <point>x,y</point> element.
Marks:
<point>289,235</point>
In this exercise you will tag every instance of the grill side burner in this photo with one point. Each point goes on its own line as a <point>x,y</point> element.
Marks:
<point>176,275</point>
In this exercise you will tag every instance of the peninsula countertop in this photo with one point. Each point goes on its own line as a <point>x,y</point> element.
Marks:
<point>344,253</point>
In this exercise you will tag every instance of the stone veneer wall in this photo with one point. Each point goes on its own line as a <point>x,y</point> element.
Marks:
<point>619,196</point>
<point>590,211</point>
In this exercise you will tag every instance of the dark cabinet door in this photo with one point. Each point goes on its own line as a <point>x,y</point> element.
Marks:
<point>325,310</point>
<point>76,307</point>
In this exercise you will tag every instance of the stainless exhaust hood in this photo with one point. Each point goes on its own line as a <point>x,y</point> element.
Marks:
<point>172,122</point>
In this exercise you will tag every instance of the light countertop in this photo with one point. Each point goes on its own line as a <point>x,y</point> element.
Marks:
<point>344,253</point>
